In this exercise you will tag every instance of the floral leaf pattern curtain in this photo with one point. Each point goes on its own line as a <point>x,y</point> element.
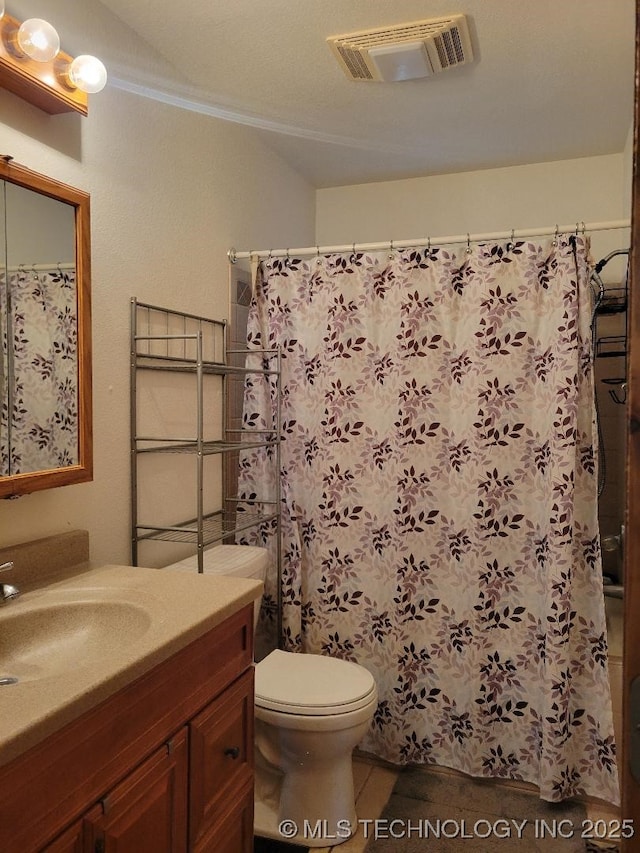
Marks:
<point>41,364</point>
<point>439,500</point>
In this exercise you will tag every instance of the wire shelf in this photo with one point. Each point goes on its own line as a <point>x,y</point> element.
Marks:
<point>611,346</point>
<point>177,364</point>
<point>613,300</point>
<point>190,446</point>
<point>214,527</point>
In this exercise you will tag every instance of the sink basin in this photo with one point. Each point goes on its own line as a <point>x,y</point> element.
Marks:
<point>51,634</point>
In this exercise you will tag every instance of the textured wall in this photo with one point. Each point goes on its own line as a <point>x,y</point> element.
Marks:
<point>170,192</point>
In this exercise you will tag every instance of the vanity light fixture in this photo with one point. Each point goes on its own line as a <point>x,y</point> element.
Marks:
<point>33,67</point>
<point>88,74</point>
<point>38,40</point>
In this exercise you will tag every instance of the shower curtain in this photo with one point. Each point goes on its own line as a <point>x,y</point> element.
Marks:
<point>39,359</point>
<point>438,478</point>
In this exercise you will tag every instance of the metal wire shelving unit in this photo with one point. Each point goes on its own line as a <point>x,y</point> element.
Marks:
<point>187,344</point>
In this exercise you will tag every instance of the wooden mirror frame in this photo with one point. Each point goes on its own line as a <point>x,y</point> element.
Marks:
<point>82,472</point>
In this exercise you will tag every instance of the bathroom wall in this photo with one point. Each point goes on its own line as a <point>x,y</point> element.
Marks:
<point>171,190</point>
<point>592,189</point>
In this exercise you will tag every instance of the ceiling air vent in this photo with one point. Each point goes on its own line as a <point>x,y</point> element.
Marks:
<point>404,51</point>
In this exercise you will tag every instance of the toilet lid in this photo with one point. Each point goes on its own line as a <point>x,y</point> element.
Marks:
<point>311,684</point>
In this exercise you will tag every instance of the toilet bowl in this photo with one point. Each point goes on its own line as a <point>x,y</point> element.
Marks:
<point>310,713</point>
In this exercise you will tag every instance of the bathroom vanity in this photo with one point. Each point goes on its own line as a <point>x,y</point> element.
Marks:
<point>144,743</point>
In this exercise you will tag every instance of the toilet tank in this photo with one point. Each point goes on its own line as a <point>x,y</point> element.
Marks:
<point>241,561</point>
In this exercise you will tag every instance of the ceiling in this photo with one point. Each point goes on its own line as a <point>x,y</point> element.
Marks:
<point>550,81</point>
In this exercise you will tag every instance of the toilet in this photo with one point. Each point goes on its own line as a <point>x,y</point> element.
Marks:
<point>310,713</point>
<point>241,561</point>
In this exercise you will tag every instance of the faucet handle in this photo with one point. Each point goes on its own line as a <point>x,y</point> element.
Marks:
<point>5,567</point>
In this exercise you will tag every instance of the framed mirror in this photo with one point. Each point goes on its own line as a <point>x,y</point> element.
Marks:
<point>45,333</point>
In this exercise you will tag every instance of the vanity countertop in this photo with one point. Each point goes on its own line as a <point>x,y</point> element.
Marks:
<point>154,614</point>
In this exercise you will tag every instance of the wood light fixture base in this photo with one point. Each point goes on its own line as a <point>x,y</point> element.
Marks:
<point>40,83</point>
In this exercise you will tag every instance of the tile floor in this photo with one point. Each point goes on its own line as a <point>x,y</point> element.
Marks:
<point>445,795</point>
<point>457,813</point>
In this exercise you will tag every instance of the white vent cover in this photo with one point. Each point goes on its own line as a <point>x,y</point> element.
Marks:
<point>404,51</point>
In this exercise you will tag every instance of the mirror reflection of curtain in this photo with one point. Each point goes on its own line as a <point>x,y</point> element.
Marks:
<point>40,366</point>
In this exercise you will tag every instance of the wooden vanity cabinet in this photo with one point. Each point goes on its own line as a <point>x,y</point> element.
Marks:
<point>221,767</point>
<point>69,842</point>
<point>163,766</point>
<point>146,811</point>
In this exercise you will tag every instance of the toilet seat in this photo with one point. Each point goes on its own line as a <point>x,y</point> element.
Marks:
<point>311,685</point>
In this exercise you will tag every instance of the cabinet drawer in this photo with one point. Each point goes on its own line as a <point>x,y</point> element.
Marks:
<point>220,757</point>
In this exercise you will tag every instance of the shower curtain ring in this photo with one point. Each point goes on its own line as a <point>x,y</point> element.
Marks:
<point>318,258</point>
<point>390,249</point>
<point>510,244</point>
<point>428,244</point>
<point>555,237</point>
<point>468,244</point>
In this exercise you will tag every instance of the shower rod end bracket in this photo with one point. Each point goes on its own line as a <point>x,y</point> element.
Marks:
<point>232,255</point>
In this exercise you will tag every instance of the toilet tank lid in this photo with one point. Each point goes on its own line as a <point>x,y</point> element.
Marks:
<point>310,683</point>
<point>244,561</point>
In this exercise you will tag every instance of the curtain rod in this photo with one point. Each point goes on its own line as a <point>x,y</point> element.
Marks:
<point>576,227</point>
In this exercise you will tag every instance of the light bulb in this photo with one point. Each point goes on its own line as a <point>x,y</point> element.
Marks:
<point>38,39</point>
<point>88,74</point>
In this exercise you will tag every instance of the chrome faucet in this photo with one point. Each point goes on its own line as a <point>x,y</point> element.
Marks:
<point>7,591</point>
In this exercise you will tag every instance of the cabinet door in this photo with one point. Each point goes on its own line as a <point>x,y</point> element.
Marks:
<point>147,812</point>
<point>69,842</point>
<point>233,833</point>
<point>221,760</point>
